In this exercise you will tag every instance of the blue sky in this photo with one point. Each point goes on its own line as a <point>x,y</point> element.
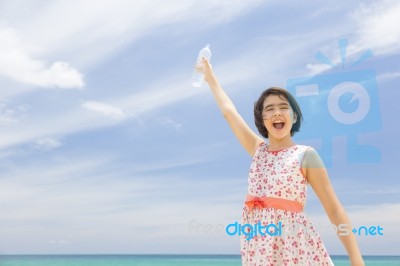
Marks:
<point>106,148</point>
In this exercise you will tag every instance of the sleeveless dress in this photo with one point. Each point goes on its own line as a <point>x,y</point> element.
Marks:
<point>278,174</point>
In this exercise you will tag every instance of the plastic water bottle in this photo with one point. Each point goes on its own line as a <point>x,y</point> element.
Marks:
<point>197,78</point>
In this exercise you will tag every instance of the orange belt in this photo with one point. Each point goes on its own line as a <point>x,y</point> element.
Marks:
<point>270,202</point>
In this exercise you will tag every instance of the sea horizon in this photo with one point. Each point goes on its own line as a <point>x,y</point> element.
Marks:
<point>147,259</point>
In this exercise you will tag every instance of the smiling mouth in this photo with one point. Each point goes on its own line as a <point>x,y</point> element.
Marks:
<point>278,125</point>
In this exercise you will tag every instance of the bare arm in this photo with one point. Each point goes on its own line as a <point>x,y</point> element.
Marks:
<point>246,136</point>
<point>317,176</point>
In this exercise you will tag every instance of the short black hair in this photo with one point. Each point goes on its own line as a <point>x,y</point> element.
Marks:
<point>284,95</point>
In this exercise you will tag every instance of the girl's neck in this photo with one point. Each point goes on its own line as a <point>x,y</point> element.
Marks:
<point>278,144</point>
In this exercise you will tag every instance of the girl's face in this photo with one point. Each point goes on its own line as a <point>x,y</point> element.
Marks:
<point>278,116</point>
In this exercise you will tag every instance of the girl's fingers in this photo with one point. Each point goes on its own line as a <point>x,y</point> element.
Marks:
<point>203,66</point>
<point>199,67</point>
<point>205,62</point>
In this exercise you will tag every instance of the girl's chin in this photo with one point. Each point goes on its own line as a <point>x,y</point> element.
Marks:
<point>278,134</point>
<point>278,137</point>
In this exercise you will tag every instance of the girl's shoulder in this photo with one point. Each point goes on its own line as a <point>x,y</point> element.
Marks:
<point>304,147</point>
<point>310,157</point>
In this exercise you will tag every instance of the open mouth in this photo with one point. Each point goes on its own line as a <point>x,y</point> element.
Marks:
<point>278,125</point>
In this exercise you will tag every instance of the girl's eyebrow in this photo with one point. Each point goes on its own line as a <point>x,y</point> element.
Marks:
<point>271,105</point>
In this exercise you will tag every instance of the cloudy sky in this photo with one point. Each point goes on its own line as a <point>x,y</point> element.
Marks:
<point>106,148</point>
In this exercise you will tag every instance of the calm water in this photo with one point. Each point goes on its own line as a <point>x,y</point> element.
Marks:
<point>155,260</point>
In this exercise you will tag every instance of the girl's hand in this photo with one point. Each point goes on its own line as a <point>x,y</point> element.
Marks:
<point>205,68</point>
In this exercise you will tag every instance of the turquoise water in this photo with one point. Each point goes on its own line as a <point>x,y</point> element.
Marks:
<point>155,260</point>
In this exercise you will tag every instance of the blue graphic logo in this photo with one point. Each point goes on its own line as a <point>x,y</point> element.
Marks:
<point>368,231</point>
<point>293,229</point>
<point>250,230</point>
<point>340,103</point>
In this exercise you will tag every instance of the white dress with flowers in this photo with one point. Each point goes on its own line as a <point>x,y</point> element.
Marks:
<point>278,174</point>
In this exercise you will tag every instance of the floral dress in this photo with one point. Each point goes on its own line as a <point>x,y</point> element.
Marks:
<point>278,174</point>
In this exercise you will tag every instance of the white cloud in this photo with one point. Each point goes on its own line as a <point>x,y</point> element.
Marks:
<point>104,109</point>
<point>101,31</point>
<point>375,29</point>
<point>43,144</point>
<point>91,31</point>
<point>12,115</point>
<point>165,165</point>
<point>326,10</point>
<point>378,27</point>
<point>48,144</point>
<point>169,122</point>
<point>68,199</point>
<point>61,122</point>
<point>16,63</point>
<point>388,76</point>
<point>156,95</point>
<point>317,68</point>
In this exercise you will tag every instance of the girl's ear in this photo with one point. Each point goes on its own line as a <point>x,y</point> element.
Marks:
<point>294,118</point>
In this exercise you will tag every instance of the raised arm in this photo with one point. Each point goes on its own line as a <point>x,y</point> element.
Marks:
<point>246,136</point>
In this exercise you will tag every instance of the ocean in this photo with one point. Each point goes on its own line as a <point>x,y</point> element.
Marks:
<point>162,260</point>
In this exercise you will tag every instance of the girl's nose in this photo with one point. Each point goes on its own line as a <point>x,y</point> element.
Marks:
<point>276,113</point>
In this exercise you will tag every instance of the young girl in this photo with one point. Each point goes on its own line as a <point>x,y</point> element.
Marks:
<point>278,178</point>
